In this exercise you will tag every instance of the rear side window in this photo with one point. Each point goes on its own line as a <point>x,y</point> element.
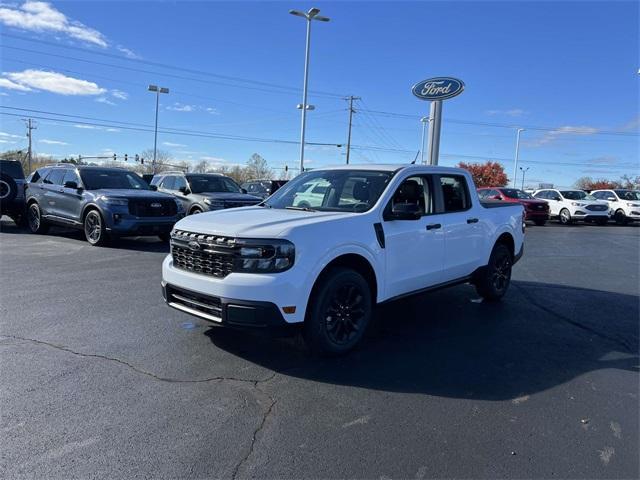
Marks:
<point>12,168</point>
<point>55,176</point>
<point>39,175</point>
<point>455,193</point>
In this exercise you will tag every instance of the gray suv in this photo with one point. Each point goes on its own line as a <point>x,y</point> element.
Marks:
<point>201,192</point>
<point>101,201</point>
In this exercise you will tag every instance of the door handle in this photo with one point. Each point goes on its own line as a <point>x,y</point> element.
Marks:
<point>433,226</point>
<point>472,220</point>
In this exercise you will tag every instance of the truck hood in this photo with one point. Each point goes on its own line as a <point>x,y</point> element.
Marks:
<point>254,222</point>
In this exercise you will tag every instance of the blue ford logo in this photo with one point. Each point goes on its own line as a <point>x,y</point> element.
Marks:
<point>193,245</point>
<point>439,88</point>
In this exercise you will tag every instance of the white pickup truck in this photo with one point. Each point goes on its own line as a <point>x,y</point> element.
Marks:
<point>378,232</point>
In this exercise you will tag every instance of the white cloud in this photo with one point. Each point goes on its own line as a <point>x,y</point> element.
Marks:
<point>6,83</point>
<point>53,82</point>
<point>113,129</point>
<point>212,111</point>
<point>127,52</point>
<point>43,17</point>
<point>6,141</point>
<point>119,94</point>
<point>9,135</point>
<point>87,127</point>
<point>514,112</point>
<point>104,100</point>
<point>171,144</point>
<point>52,142</point>
<point>214,161</point>
<point>553,135</point>
<point>181,107</point>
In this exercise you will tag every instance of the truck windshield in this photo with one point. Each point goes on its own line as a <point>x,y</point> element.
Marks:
<point>332,190</point>
<point>516,193</point>
<point>212,183</point>
<point>628,194</point>
<point>576,195</point>
<point>117,179</point>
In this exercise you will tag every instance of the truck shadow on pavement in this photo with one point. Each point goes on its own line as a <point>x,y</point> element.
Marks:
<point>449,344</point>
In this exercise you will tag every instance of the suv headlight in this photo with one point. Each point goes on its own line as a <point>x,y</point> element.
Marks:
<point>632,205</point>
<point>213,204</point>
<point>577,204</point>
<point>264,256</point>
<point>114,201</point>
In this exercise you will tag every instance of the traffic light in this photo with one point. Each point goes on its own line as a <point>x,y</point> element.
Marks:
<point>141,161</point>
<point>286,168</point>
<point>126,157</point>
<point>137,158</point>
<point>115,157</point>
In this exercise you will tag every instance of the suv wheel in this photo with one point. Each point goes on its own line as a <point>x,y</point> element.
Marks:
<point>195,211</point>
<point>620,217</point>
<point>338,313</point>
<point>493,281</point>
<point>94,229</point>
<point>564,217</point>
<point>34,218</point>
<point>8,188</point>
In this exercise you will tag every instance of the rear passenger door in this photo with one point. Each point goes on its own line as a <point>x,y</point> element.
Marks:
<point>463,227</point>
<point>52,189</point>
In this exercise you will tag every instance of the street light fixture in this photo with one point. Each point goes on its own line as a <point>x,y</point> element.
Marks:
<point>158,90</point>
<point>312,14</point>
<point>515,165</point>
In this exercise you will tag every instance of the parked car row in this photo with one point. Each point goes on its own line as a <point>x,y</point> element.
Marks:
<point>112,202</point>
<point>571,205</point>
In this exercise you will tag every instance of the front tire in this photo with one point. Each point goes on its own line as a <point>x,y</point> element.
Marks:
<point>94,229</point>
<point>35,221</point>
<point>494,280</point>
<point>565,217</point>
<point>195,211</point>
<point>620,217</point>
<point>339,312</point>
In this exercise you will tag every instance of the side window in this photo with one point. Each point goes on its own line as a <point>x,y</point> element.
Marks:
<point>415,190</point>
<point>455,194</point>
<point>155,180</point>
<point>179,183</point>
<point>55,176</point>
<point>167,183</point>
<point>71,176</point>
<point>482,194</point>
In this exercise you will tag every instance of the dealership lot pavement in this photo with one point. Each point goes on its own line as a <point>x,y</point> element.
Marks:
<point>98,378</point>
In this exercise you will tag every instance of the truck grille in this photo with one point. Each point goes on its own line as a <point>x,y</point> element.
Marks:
<point>153,208</point>
<point>206,254</point>
<point>195,303</point>
<point>597,208</point>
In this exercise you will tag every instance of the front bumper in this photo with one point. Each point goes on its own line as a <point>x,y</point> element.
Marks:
<point>536,215</point>
<point>264,317</point>
<point>127,225</point>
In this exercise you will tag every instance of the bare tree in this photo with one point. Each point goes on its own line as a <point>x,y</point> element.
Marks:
<point>162,159</point>
<point>201,167</point>
<point>257,168</point>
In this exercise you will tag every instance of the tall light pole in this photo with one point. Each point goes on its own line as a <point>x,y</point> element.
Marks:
<point>312,14</point>
<point>515,165</point>
<point>158,90</point>
<point>424,121</point>
<point>523,170</point>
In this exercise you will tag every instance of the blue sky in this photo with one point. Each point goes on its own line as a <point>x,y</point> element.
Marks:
<point>570,68</point>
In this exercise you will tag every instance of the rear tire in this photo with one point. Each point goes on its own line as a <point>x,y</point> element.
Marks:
<point>494,279</point>
<point>339,312</point>
<point>34,218</point>
<point>94,229</point>
<point>540,223</point>
<point>565,217</point>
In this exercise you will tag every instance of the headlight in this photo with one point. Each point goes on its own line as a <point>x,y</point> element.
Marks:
<point>114,201</point>
<point>213,204</point>
<point>632,205</point>
<point>577,204</point>
<point>264,256</point>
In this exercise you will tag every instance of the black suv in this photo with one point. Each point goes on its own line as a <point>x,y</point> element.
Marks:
<point>102,201</point>
<point>201,192</point>
<point>12,190</point>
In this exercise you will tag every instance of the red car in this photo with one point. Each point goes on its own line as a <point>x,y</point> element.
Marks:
<point>535,210</point>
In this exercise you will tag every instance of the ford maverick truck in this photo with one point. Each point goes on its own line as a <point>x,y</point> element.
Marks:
<point>371,233</point>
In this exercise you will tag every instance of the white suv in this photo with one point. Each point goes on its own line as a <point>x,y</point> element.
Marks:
<point>624,205</point>
<point>573,205</point>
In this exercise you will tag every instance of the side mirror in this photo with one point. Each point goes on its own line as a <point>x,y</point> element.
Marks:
<point>153,187</point>
<point>243,190</point>
<point>405,211</point>
<point>184,190</point>
<point>71,184</point>
<point>557,199</point>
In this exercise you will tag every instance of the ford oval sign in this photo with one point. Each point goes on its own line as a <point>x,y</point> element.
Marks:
<point>439,88</point>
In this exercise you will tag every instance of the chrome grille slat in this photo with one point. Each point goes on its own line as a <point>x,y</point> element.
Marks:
<point>213,256</point>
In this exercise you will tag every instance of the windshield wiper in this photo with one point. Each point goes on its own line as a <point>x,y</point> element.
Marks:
<point>304,209</point>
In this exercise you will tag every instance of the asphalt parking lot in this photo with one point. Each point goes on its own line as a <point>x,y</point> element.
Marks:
<point>99,379</point>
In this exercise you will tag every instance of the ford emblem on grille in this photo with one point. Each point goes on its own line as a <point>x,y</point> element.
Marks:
<point>156,205</point>
<point>193,245</point>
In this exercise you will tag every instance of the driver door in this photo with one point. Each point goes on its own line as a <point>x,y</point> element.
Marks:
<point>414,248</point>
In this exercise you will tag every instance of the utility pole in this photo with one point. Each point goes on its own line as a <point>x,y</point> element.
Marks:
<point>351,112</point>
<point>30,126</point>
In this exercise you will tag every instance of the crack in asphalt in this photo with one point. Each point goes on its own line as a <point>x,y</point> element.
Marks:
<point>527,295</point>
<point>136,369</point>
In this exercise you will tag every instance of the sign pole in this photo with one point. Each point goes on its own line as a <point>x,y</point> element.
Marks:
<point>435,121</point>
